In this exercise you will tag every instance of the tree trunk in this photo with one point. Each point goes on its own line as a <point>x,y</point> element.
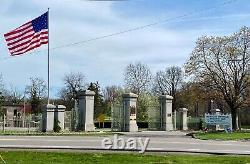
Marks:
<point>234,113</point>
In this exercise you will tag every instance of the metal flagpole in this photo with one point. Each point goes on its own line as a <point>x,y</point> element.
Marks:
<point>48,55</point>
<point>24,114</point>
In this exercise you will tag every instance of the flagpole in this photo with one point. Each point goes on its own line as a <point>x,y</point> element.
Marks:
<point>48,57</point>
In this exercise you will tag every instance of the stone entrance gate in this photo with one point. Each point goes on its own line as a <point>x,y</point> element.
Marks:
<point>124,116</point>
<point>159,117</point>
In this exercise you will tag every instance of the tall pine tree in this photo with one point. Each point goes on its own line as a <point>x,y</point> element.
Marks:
<point>99,101</point>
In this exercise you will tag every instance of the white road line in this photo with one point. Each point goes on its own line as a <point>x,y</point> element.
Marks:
<point>201,150</point>
<point>48,147</point>
<point>192,143</point>
<point>193,149</point>
<point>19,139</point>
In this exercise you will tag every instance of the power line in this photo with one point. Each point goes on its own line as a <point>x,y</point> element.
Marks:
<point>136,28</point>
<point>143,26</point>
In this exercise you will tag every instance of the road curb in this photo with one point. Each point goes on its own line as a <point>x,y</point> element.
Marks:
<point>150,150</point>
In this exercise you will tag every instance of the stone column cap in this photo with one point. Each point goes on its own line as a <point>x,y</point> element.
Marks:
<point>61,107</point>
<point>183,109</point>
<point>50,106</point>
<point>130,95</point>
<point>85,93</point>
<point>166,97</point>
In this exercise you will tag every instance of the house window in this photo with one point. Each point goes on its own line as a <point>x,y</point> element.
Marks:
<point>15,112</point>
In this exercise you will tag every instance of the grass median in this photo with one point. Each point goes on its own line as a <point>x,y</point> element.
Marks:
<point>61,158</point>
<point>241,135</point>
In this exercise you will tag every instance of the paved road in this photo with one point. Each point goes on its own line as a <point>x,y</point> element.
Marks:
<point>159,141</point>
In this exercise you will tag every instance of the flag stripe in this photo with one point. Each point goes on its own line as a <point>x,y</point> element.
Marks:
<point>18,35</point>
<point>27,43</point>
<point>28,36</point>
<point>24,49</point>
<point>34,46</point>
<point>20,38</point>
<point>26,39</point>
<point>34,37</point>
<point>30,42</point>
<point>19,29</point>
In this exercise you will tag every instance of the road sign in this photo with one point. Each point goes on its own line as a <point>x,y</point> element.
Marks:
<point>218,119</point>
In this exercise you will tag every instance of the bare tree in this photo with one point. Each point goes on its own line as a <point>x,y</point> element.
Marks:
<point>111,93</point>
<point>222,63</point>
<point>2,91</point>
<point>138,77</point>
<point>36,91</point>
<point>14,95</point>
<point>74,82</point>
<point>1,83</point>
<point>169,81</point>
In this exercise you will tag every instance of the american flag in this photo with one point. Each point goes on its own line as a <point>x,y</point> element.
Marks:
<point>29,36</point>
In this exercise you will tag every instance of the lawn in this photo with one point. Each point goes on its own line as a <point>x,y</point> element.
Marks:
<point>223,136</point>
<point>68,158</point>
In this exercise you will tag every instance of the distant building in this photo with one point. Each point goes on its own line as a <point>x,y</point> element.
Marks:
<point>14,112</point>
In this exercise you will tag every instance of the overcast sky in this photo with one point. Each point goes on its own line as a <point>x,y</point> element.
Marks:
<point>104,60</point>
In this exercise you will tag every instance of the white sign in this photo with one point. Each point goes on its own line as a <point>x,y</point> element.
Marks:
<point>218,119</point>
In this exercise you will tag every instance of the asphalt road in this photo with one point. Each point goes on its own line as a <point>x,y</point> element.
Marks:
<point>158,142</point>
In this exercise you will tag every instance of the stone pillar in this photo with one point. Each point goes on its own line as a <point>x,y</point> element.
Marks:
<point>48,118</point>
<point>129,112</point>
<point>166,112</point>
<point>59,115</point>
<point>86,110</point>
<point>183,118</point>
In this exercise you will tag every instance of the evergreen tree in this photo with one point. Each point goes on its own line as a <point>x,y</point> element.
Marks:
<point>98,99</point>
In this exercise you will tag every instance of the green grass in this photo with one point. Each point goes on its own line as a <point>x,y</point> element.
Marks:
<point>223,136</point>
<point>99,158</point>
<point>245,126</point>
<point>24,133</point>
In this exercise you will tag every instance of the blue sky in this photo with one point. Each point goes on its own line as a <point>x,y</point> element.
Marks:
<point>104,60</point>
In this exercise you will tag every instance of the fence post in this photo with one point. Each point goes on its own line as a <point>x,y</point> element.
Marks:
<point>29,127</point>
<point>4,123</point>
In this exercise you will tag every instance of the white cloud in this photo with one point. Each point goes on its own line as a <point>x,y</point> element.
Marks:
<point>103,60</point>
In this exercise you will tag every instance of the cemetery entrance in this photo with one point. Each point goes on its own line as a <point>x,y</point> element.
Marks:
<point>125,116</point>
